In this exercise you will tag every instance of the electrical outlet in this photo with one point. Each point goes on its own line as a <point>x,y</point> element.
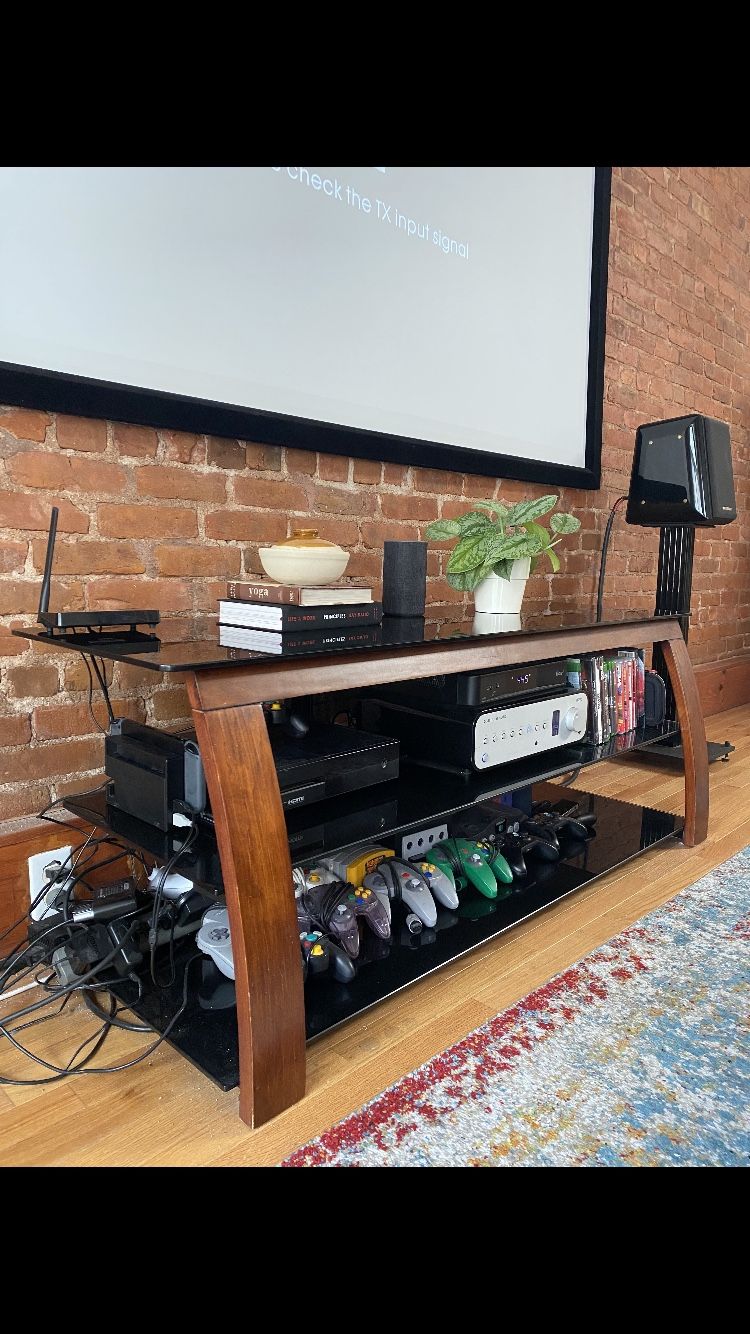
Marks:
<point>37,877</point>
<point>418,843</point>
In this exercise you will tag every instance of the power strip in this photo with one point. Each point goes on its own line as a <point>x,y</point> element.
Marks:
<point>418,844</point>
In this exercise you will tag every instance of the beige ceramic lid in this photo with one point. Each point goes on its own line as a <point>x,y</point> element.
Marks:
<point>307,538</point>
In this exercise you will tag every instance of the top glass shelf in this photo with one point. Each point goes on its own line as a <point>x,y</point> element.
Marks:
<point>393,633</point>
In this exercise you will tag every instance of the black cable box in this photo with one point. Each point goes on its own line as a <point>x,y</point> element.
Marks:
<point>470,689</point>
<point>156,775</point>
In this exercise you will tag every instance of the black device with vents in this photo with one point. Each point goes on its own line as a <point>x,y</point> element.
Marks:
<point>92,629</point>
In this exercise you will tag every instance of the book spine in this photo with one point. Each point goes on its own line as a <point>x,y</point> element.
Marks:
<point>272,594</point>
<point>306,618</point>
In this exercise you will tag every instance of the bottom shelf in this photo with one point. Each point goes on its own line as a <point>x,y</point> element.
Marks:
<point>206,1032</point>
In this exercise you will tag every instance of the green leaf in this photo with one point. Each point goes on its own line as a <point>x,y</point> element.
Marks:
<point>515,547</point>
<point>503,568</point>
<point>538,531</point>
<point>526,510</point>
<point>496,506</point>
<point>468,553</point>
<point>564,523</point>
<point>472,522</point>
<point>442,529</point>
<point>467,580</point>
<point>554,559</point>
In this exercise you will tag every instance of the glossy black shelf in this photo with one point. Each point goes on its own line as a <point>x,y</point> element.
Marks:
<point>206,1033</point>
<point>420,795</point>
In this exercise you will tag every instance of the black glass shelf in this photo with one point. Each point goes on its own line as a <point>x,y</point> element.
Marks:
<point>394,632</point>
<point>206,1033</point>
<point>419,796</point>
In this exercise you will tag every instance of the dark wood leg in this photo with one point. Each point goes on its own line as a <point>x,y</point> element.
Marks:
<point>256,867</point>
<point>693,736</point>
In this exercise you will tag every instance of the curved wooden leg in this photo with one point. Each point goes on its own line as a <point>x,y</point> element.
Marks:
<point>693,733</point>
<point>256,867</point>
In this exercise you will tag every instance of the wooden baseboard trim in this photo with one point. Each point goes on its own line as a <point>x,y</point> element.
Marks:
<point>723,685</point>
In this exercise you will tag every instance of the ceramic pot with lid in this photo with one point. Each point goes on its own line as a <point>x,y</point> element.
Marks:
<point>305,559</point>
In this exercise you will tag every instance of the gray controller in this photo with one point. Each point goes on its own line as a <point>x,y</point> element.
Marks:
<point>395,879</point>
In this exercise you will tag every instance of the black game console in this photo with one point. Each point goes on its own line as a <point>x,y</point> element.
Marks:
<point>157,775</point>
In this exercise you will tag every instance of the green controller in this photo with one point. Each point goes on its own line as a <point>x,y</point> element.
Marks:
<point>468,864</point>
<point>498,865</point>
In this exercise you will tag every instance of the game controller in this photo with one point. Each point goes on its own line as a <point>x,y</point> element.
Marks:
<point>498,864</point>
<point>213,938</point>
<point>547,823</point>
<point>321,902</point>
<point>319,955</point>
<point>442,882</point>
<point>395,880</point>
<point>516,845</point>
<point>467,863</point>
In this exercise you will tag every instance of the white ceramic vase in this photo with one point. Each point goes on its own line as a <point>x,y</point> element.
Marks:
<point>503,595</point>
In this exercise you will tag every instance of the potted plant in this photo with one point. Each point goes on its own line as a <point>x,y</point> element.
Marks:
<point>496,546</point>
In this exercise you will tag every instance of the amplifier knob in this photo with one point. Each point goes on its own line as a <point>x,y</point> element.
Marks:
<point>571,720</point>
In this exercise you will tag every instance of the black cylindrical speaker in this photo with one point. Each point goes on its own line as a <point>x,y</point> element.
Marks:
<point>404,578</point>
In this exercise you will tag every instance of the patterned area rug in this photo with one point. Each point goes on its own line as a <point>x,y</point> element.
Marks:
<point>635,1057</point>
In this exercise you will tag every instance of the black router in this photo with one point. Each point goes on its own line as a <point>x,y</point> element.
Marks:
<point>89,629</point>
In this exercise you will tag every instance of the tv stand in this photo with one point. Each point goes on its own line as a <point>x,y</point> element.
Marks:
<point>226,696</point>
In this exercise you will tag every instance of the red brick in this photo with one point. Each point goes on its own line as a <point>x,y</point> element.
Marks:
<point>57,471</point>
<point>83,433</point>
<point>90,557</point>
<point>12,556</point>
<point>15,731</point>
<point>10,646</point>
<point>146,521</point>
<point>18,595</point>
<point>332,468</point>
<point>75,676</point>
<point>408,507</point>
<point>180,484</point>
<point>135,678</point>
<point>336,500</point>
<point>301,461</point>
<point>181,447</point>
<point>278,495</point>
<point>170,703</point>
<point>374,534</point>
<point>364,565</point>
<point>394,474</point>
<point>163,595</point>
<point>481,488</point>
<point>135,442</point>
<point>435,480</point>
<point>50,759</point>
<point>263,458</point>
<point>30,512</point>
<point>243,526</point>
<point>38,680</point>
<point>24,423</point>
<point>67,720</point>
<point>198,561</point>
<point>27,801</point>
<point>367,471</point>
<point>221,453</point>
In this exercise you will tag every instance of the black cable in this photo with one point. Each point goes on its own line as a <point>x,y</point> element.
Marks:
<point>101,674</point>
<point>571,778</point>
<point>158,899</point>
<point>603,557</point>
<point>92,1005</point>
<point>87,665</point>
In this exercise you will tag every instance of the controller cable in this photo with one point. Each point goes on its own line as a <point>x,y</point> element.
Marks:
<point>603,557</point>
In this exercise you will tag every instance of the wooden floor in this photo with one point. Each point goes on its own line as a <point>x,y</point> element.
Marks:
<point>164,1112</point>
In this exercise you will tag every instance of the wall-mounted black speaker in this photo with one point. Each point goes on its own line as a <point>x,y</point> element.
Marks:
<point>682,474</point>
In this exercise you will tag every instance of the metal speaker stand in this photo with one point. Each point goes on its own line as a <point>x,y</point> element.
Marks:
<point>674,584</point>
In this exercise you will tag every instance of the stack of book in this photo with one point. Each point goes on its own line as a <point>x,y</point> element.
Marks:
<point>615,687</point>
<point>285,618</point>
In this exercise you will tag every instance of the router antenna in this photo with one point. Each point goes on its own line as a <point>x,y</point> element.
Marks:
<point>44,593</point>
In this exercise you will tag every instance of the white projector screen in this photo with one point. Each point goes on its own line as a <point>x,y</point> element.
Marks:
<point>446,316</point>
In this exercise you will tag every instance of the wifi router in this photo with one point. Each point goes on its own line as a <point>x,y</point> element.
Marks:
<point>87,629</point>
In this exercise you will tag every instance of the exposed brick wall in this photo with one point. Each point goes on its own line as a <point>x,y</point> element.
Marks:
<point>163,518</point>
